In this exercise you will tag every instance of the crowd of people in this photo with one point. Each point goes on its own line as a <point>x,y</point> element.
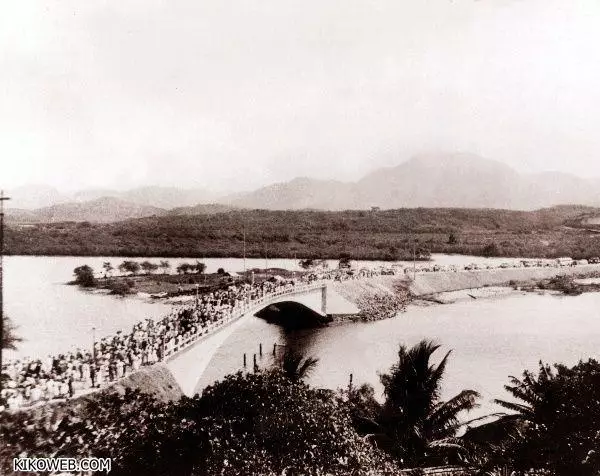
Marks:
<point>34,380</point>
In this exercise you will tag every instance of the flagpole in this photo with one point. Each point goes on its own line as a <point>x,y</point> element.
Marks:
<point>244,232</point>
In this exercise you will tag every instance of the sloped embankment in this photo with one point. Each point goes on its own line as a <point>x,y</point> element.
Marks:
<point>355,290</point>
<point>156,380</point>
<point>439,282</point>
<point>376,298</point>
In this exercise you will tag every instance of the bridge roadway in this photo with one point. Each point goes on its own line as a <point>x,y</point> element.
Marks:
<point>189,359</point>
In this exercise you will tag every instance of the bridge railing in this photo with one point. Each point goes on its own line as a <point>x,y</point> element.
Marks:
<point>236,313</point>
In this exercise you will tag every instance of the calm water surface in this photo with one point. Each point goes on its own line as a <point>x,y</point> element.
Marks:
<point>490,339</point>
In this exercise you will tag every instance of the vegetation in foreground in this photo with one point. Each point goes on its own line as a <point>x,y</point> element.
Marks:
<point>262,423</point>
<point>413,424</point>
<point>270,422</point>
<point>384,234</point>
<point>554,424</point>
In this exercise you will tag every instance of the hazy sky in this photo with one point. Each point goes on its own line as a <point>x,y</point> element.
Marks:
<point>233,94</point>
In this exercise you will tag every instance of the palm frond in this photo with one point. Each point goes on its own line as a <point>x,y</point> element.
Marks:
<point>297,367</point>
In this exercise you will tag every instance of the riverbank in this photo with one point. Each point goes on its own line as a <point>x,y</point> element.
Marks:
<point>453,297</point>
<point>432,283</point>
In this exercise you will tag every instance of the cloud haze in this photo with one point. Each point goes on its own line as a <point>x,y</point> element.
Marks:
<point>234,94</point>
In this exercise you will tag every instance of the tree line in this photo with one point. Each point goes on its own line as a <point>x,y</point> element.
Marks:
<point>85,275</point>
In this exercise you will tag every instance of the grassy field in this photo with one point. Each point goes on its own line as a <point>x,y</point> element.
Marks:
<point>386,234</point>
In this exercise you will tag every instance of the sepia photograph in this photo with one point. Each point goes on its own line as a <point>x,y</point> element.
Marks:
<point>283,238</point>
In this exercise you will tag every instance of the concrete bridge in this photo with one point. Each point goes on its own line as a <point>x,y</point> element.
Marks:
<point>189,360</point>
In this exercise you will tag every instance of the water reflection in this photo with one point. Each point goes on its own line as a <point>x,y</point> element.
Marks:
<point>490,340</point>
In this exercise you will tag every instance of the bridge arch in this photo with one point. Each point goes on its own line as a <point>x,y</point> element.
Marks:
<point>292,314</point>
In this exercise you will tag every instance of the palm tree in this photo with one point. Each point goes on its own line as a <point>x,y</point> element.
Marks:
<point>534,391</point>
<point>413,424</point>
<point>165,266</point>
<point>9,338</point>
<point>108,268</point>
<point>556,419</point>
<point>296,366</point>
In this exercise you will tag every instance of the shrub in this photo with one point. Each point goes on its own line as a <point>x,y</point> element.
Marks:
<point>84,276</point>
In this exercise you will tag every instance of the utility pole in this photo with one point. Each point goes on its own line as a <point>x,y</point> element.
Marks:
<point>415,258</point>
<point>94,344</point>
<point>244,254</point>
<point>266,261</point>
<point>294,265</point>
<point>2,200</point>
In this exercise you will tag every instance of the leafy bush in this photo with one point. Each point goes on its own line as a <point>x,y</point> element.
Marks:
<point>259,423</point>
<point>120,287</point>
<point>84,276</point>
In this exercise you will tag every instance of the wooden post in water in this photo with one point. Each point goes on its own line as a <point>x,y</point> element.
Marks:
<point>260,349</point>
<point>350,384</point>
<point>244,360</point>
<point>274,349</point>
<point>255,364</point>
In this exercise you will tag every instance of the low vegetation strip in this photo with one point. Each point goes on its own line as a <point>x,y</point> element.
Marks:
<point>431,283</point>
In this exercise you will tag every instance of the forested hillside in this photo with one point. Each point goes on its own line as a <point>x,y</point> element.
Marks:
<point>386,234</point>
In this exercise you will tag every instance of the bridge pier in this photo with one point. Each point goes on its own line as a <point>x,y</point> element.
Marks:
<point>324,299</point>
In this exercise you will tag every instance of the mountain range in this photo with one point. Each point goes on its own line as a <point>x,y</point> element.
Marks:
<point>30,197</point>
<point>429,180</point>
<point>104,210</point>
<point>435,180</point>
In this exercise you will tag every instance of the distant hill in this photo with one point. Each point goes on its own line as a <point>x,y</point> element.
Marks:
<point>431,180</point>
<point>300,193</point>
<point>154,196</point>
<point>456,180</point>
<point>102,210</point>
<point>106,210</point>
<point>34,196</point>
<point>202,209</point>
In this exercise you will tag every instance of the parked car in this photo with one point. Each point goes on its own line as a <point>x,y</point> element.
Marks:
<point>564,261</point>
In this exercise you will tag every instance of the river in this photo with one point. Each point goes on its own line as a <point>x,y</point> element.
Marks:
<point>490,339</point>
